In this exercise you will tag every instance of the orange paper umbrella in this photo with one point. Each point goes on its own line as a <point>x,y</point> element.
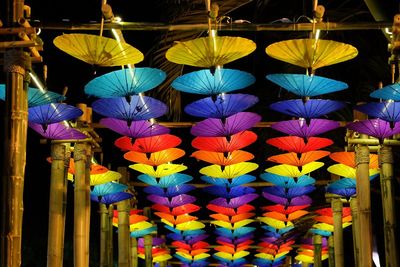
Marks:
<point>349,159</point>
<point>286,217</point>
<point>284,210</point>
<point>222,145</point>
<point>346,211</point>
<point>187,208</point>
<point>156,158</point>
<point>329,220</point>
<point>135,218</point>
<point>148,144</point>
<point>232,219</point>
<point>293,159</point>
<point>230,158</point>
<point>175,219</point>
<point>296,144</point>
<point>197,245</point>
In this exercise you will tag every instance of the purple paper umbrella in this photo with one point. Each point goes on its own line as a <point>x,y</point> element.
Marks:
<point>296,201</point>
<point>289,192</point>
<point>302,129</point>
<point>225,192</point>
<point>112,198</point>
<point>139,108</point>
<point>376,127</point>
<point>312,108</point>
<point>223,105</point>
<point>234,202</point>
<point>57,131</point>
<point>231,125</point>
<point>157,241</point>
<point>310,241</point>
<point>53,113</point>
<point>188,239</point>
<point>174,201</point>
<point>137,129</point>
<point>237,240</point>
<point>171,191</point>
<point>344,192</point>
<point>387,111</point>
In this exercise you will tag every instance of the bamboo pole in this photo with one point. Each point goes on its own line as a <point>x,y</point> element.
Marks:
<point>60,157</point>
<point>123,208</point>
<point>134,252</point>
<point>104,235</point>
<point>110,245</point>
<point>16,123</point>
<point>331,252</point>
<point>355,230</point>
<point>317,241</point>
<point>389,205</point>
<point>337,209</point>
<point>148,243</point>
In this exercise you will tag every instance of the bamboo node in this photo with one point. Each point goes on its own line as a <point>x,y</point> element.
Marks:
<point>16,61</point>
<point>362,155</point>
<point>57,152</point>
<point>385,155</point>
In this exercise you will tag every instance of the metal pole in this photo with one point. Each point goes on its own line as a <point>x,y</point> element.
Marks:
<point>60,157</point>
<point>355,230</point>
<point>123,208</point>
<point>317,241</point>
<point>104,235</point>
<point>337,207</point>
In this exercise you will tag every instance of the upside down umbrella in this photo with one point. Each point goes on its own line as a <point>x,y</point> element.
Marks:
<point>389,92</point>
<point>172,202</point>
<point>289,192</point>
<point>349,159</point>
<point>237,240</point>
<point>170,191</point>
<point>343,183</point>
<point>285,217</point>
<point>112,198</point>
<point>230,158</point>
<point>52,113</point>
<point>387,111</point>
<point>136,129</point>
<point>148,144</point>
<point>98,50</point>
<point>284,210</point>
<point>295,201</point>
<point>297,145</point>
<point>232,234</point>
<point>232,219</point>
<point>57,131</point>
<point>161,170</point>
<point>293,171</point>
<point>94,168</point>
<point>287,181</point>
<point>107,188</point>
<point>176,211</point>
<point>346,211</point>
<point>277,224</point>
<point>223,191</point>
<point>234,202</point>
<point>294,159</point>
<point>344,192</point>
<point>221,144</point>
<point>156,158</point>
<point>375,127</point>
<point>196,245</point>
<point>232,226</point>
<point>229,171</point>
<point>125,82</point>
<point>236,181</point>
<point>349,172</point>
<point>165,181</point>
<point>173,220</point>
<point>302,129</point>
<point>101,178</point>
<point>230,211</point>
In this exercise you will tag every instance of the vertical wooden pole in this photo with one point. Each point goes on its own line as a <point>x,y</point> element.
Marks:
<point>355,230</point>
<point>331,251</point>
<point>60,157</point>
<point>110,245</point>
<point>123,208</point>
<point>389,206</point>
<point>337,209</point>
<point>104,235</point>
<point>148,244</point>
<point>134,252</point>
<point>317,241</point>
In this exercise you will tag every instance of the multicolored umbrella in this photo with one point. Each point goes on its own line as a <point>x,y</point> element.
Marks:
<point>349,172</point>
<point>349,159</point>
<point>287,181</point>
<point>234,202</point>
<point>220,106</point>
<point>236,181</point>
<point>57,131</point>
<point>376,127</point>
<point>389,92</point>
<point>303,129</point>
<point>125,82</point>
<point>170,191</point>
<point>223,191</point>
<point>98,50</point>
<point>148,144</point>
<point>160,171</point>
<point>165,181</point>
<point>156,158</point>
<point>172,202</point>
<point>229,171</point>
<point>293,171</point>
<point>297,145</point>
<point>387,111</point>
<point>217,158</point>
<point>222,144</point>
<point>222,128</point>
<point>136,129</point>
<point>52,113</point>
<point>294,159</point>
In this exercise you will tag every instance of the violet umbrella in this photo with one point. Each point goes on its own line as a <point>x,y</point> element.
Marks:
<point>156,241</point>
<point>137,129</point>
<point>234,202</point>
<point>375,127</point>
<point>296,201</point>
<point>57,131</point>
<point>302,129</point>
<point>173,202</point>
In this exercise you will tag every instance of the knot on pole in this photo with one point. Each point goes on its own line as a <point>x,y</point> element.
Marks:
<point>385,155</point>
<point>362,155</point>
<point>57,152</point>
<point>16,61</point>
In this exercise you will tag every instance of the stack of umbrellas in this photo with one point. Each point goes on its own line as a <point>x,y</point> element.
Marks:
<point>324,221</point>
<point>138,223</point>
<point>158,251</point>
<point>305,252</point>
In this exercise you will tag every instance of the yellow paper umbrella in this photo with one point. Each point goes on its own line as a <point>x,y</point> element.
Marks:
<point>139,226</point>
<point>266,256</point>
<point>98,50</point>
<point>160,171</point>
<point>156,158</point>
<point>293,171</point>
<point>161,258</point>
<point>172,220</point>
<point>349,159</point>
<point>309,259</point>
<point>234,157</point>
<point>232,219</point>
<point>192,225</point>
<point>194,258</point>
<point>328,227</point>
<point>210,51</point>
<point>311,53</point>
<point>305,158</point>
<point>277,224</point>
<point>233,226</point>
<point>348,172</point>
<point>228,256</point>
<point>230,171</point>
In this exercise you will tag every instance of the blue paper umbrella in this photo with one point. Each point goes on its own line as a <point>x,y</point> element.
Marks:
<point>139,108</point>
<point>143,232</point>
<point>240,180</point>
<point>387,111</point>
<point>389,92</point>
<point>57,131</point>
<point>173,202</point>
<point>312,108</point>
<point>170,191</point>
<point>287,182</point>
<point>112,198</point>
<point>36,97</point>
<point>136,129</point>
<point>223,105</point>
<point>344,183</point>
<point>187,238</point>
<point>53,113</point>
<point>289,192</point>
<point>125,82</point>
<point>236,233</point>
<point>165,181</point>
<point>230,263</point>
<point>107,188</point>
<point>376,127</point>
<point>303,129</point>
<point>187,234</point>
<point>305,86</point>
<point>296,201</point>
<point>320,232</point>
<point>223,191</point>
<point>207,83</point>
<point>344,192</point>
<point>277,232</point>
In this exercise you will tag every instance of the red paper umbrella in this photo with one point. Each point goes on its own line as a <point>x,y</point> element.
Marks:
<point>296,144</point>
<point>156,158</point>
<point>346,211</point>
<point>176,219</point>
<point>187,208</point>
<point>228,248</point>
<point>131,212</point>
<point>230,158</point>
<point>284,210</point>
<point>349,159</point>
<point>238,245</point>
<point>197,245</point>
<point>285,217</point>
<point>233,218</point>
<point>148,144</point>
<point>231,211</point>
<point>222,145</point>
<point>329,219</point>
<point>293,159</point>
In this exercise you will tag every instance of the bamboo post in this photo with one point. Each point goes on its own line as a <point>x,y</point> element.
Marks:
<point>104,235</point>
<point>60,157</point>
<point>388,204</point>
<point>355,230</point>
<point>317,241</point>
<point>134,252</point>
<point>81,205</point>
<point>16,62</point>
<point>123,208</point>
<point>148,244</point>
<point>110,245</point>
<point>337,209</point>
<point>331,252</point>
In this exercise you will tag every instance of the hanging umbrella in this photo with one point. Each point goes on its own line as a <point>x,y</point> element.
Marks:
<point>233,226</point>
<point>387,111</point>
<point>289,192</point>
<point>286,181</point>
<point>193,252</point>
<point>230,158</point>
<point>302,129</point>
<point>173,220</point>
<point>294,159</point>
<point>112,198</point>
<point>230,211</point>
<point>343,183</point>
<point>311,53</point>
<point>156,158</point>
<point>230,171</point>
<point>192,225</point>
<point>170,191</point>
<point>349,159</point>
<point>277,224</point>
<point>133,219</point>
<point>232,257</point>
<point>343,192</point>
<point>297,145</point>
<point>136,129</point>
<point>329,227</point>
<point>143,232</point>
<point>166,181</point>
<point>285,217</point>
<point>275,232</point>
<point>235,243</point>
<point>57,131</point>
<point>156,241</point>
<point>329,219</point>
<point>232,234</point>
<point>94,168</point>
<point>139,108</point>
<point>228,248</point>
<point>237,240</point>
<point>232,219</point>
<point>172,202</point>
<point>376,127</point>
<point>125,82</point>
<point>348,172</point>
<point>223,191</point>
<point>192,258</point>
<point>293,171</point>
<point>161,170</point>
<point>389,92</point>
<point>98,50</point>
<point>236,181</point>
<point>222,128</point>
<point>197,245</point>
<point>148,144</point>
<point>102,178</point>
<point>188,237</point>
<point>295,201</point>
<point>221,144</point>
<point>107,188</point>
<point>221,106</point>
<point>346,211</point>
<point>284,210</point>
<point>234,202</point>
<point>176,211</point>
<point>36,97</point>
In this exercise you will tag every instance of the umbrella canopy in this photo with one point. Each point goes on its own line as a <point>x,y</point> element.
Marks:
<point>293,159</point>
<point>343,192</point>
<point>233,157</point>
<point>196,245</point>
<point>387,111</point>
<point>231,125</point>
<point>296,201</point>
<point>53,113</point>
<point>226,192</point>
<point>166,181</point>
<point>139,108</point>
<point>229,211</point>
<point>389,92</point>
<point>170,191</point>
<point>277,224</point>
<point>284,210</point>
<point>232,234</point>
<point>349,159</point>
<point>348,172</point>
<point>289,192</point>
<point>297,145</point>
<point>156,158</point>
<point>148,144</point>
<point>312,108</point>
<point>232,219</point>
<point>221,144</point>
<point>36,97</point>
<point>102,178</point>
<point>176,211</point>
<point>125,82</point>
<point>160,171</point>
<point>293,171</point>
<point>156,241</point>
<point>346,211</point>
<point>173,220</point>
<point>311,53</point>
<point>94,168</point>
<point>210,51</point>
<point>376,127</point>
<point>303,129</point>
<point>143,232</point>
<point>112,198</point>
<point>107,188</point>
<point>136,129</point>
<point>240,180</point>
<point>287,181</point>
<point>98,50</point>
<point>232,226</point>
<point>235,241</point>
<point>220,106</point>
<point>343,183</point>
<point>230,171</point>
<point>234,202</point>
<point>172,202</point>
<point>231,257</point>
<point>57,131</point>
